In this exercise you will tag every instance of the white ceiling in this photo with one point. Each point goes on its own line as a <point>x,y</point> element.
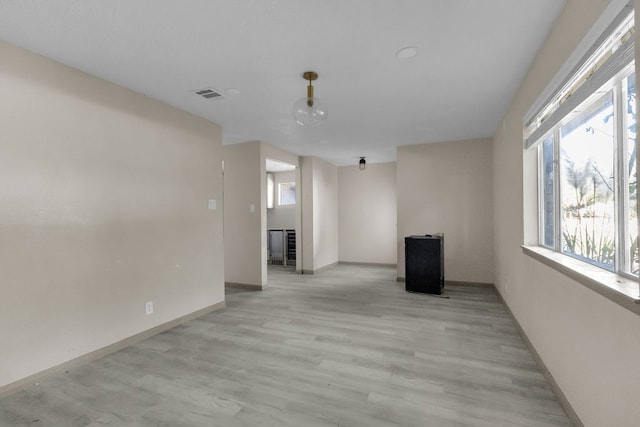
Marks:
<point>472,57</point>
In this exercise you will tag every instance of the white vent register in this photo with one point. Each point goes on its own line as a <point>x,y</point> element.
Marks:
<point>208,93</point>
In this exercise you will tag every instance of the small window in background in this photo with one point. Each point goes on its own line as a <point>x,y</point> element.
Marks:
<point>287,193</point>
<point>270,191</point>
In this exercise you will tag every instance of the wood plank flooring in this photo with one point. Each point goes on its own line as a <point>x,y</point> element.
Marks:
<point>346,347</point>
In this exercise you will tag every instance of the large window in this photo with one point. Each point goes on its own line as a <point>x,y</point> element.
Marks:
<point>587,160</point>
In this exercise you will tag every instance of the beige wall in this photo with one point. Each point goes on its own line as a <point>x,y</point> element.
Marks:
<point>104,207</point>
<point>242,225</point>
<point>367,213</point>
<point>319,188</point>
<point>282,217</point>
<point>325,214</point>
<point>447,188</point>
<point>590,345</point>
<point>306,205</point>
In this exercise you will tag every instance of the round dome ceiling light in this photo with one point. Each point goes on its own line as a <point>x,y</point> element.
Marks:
<point>407,53</point>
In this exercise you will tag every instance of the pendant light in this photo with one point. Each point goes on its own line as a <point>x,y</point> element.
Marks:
<point>309,110</point>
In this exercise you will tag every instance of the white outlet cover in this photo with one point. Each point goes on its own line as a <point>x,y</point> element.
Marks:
<point>252,208</point>
<point>148,308</point>
<point>212,204</point>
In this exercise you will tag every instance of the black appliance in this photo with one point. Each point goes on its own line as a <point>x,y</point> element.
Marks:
<point>424,263</point>
<point>291,247</point>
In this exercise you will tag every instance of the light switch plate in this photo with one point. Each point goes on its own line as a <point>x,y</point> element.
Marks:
<point>252,208</point>
<point>212,204</point>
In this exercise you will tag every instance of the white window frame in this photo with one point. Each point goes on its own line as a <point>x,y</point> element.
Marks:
<point>622,264</point>
<point>280,187</point>
<point>619,289</point>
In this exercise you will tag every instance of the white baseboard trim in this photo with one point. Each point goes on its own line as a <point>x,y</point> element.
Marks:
<point>247,286</point>
<point>562,399</point>
<point>321,269</point>
<point>473,284</point>
<point>368,264</point>
<point>29,381</point>
<point>457,283</point>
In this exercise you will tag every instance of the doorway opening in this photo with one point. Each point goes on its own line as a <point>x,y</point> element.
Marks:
<point>282,199</point>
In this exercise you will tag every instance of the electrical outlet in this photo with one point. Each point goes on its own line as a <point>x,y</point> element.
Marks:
<point>148,308</point>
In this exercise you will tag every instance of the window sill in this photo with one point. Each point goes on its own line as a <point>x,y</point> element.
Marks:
<point>618,289</point>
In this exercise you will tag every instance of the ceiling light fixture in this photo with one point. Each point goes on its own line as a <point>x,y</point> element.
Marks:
<point>309,110</point>
<point>363,163</point>
<point>406,53</point>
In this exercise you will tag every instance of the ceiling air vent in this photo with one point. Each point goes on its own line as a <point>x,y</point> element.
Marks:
<point>208,93</point>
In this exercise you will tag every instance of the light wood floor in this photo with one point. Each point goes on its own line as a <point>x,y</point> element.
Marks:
<point>346,347</point>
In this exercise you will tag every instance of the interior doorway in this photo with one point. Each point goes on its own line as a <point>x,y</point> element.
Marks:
<point>282,199</point>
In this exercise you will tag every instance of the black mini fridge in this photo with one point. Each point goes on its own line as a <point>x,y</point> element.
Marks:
<point>424,263</point>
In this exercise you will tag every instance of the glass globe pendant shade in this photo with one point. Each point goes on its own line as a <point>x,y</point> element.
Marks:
<point>309,111</point>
